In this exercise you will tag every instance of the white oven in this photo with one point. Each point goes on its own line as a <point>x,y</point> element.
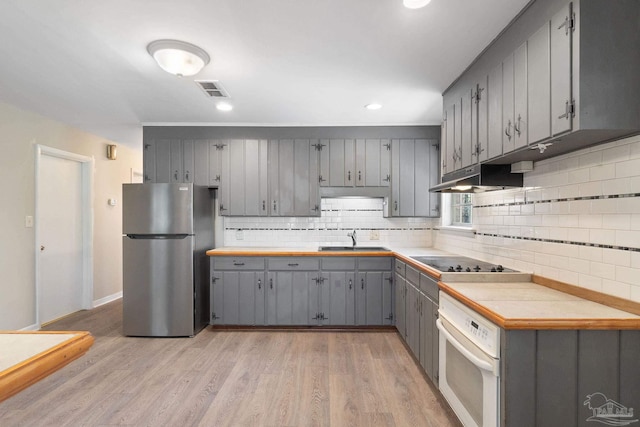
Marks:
<point>469,363</point>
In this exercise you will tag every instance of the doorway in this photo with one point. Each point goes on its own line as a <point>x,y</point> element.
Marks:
<point>64,233</point>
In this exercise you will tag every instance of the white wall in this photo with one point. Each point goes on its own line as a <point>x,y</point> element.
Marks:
<point>20,131</point>
<point>577,221</point>
<point>338,217</point>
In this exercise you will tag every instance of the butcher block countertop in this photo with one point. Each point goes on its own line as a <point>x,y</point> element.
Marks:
<point>528,305</point>
<point>510,300</point>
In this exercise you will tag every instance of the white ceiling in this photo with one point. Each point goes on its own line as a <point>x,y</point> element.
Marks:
<point>283,62</point>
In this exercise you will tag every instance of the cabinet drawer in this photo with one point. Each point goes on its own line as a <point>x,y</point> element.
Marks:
<point>400,267</point>
<point>238,263</point>
<point>429,286</point>
<point>286,263</point>
<point>375,263</point>
<point>338,264</point>
<point>412,275</point>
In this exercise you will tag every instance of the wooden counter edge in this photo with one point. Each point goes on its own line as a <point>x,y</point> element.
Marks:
<point>419,266</point>
<point>588,294</point>
<point>280,253</point>
<point>32,370</point>
<point>540,324</point>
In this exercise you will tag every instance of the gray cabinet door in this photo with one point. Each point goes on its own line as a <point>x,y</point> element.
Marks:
<point>429,338</point>
<point>457,135</point>
<point>422,167</point>
<point>256,177</point>
<point>163,160</point>
<point>149,161</point>
<point>201,162</point>
<point>293,178</point>
<point>449,164</point>
<point>414,168</point>
<point>508,141</point>
<point>233,178</point>
<point>480,124</point>
<point>337,300</point>
<point>288,297</point>
<point>539,84</point>
<point>494,99</point>
<point>176,161</point>
<point>466,126</point>
<point>400,305</point>
<point>561,97</point>
<point>413,319</point>
<point>405,201</point>
<point>237,298</point>
<point>520,96</point>
<point>372,163</point>
<point>188,160</point>
<point>374,296</point>
<point>337,162</point>
<point>434,178</point>
<point>217,154</point>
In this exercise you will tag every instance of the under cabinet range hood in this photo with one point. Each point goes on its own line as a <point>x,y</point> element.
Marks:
<point>479,178</point>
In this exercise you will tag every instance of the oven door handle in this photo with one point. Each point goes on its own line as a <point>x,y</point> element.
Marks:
<point>481,364</point>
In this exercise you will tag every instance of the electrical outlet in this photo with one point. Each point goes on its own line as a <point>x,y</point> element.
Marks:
<point>374,235</point>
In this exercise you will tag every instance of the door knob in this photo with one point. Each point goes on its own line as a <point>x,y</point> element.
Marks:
<point>42,247</point>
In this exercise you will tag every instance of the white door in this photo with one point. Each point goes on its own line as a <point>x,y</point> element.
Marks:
<point>60,216</point>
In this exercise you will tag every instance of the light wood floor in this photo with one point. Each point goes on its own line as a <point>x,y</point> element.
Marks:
<point>230,378</point>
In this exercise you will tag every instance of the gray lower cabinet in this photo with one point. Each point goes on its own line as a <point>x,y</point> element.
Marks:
<point>416,313</point>
<point>563,377</point>
<point>374,291</point>
<point>299,291</point>
<point>290,281</point>
<point>333,296</point>
<point>237,291</point>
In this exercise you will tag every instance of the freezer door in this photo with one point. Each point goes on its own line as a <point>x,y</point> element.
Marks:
<point>157,208</point>
<point>158,288</point>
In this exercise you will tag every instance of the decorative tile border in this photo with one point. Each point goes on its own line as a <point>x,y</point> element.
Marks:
<point>565,242</point>
<point>565,199</point>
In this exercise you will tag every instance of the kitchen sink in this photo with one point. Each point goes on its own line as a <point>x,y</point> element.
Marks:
<point>353,249</point>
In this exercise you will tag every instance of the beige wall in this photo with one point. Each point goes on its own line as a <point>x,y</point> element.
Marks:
<point>20,131</point>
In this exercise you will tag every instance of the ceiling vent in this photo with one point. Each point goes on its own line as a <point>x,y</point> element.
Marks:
<point>212,88</point>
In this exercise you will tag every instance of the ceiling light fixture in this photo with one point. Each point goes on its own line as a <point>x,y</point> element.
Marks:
<point>415,4</point>
<point>224,106</point>
<point>177,57</point>
<point>373,106</point>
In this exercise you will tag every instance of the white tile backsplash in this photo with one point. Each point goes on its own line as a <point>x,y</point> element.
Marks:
<point>339,216</point>
<point>591,239</point>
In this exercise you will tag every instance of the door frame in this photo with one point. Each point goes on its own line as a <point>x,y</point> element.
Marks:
<point>87,167</point>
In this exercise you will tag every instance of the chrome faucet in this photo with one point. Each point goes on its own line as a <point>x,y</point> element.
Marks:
<point>353,237</point>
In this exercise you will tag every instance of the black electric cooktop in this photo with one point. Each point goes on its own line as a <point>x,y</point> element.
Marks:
<point>460,264</point>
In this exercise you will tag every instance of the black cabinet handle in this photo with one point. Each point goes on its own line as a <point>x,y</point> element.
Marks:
<point>238,263</point>
<point>350,283</point>
<point>359,176</point>
<point>349,176</point>
<point>270,283</point>
<point>293,264</point>
<point>362,283</point>
<point>264,205</point>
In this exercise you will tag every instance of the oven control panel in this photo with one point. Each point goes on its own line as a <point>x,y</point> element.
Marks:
<point>482,332</point>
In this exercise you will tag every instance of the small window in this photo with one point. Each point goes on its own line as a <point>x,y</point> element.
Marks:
<point>461,210</point>
<point>458,210</point>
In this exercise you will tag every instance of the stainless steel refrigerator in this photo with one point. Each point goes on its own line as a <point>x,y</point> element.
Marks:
<point>167,228</point>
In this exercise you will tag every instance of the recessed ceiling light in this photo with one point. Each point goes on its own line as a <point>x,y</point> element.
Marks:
<point>177,57</point>
<point>373,106</point>
<point>224,106</point>
<point>415,4</point>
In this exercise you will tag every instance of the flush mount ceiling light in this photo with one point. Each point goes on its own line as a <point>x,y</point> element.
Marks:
<point>224,106</point>
<point>177,57</point>
<point>373,106</point>
<point>415,4</point>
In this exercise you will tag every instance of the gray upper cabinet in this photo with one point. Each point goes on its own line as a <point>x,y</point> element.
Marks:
<point>563,74</point>
<point>293,184</point>
<point>539,84</point>
<point>354,162</point>
<point>218,155</point>
<point>562,103</point>
<point>494,100</point>
<point>479,121</point>
<point>520,107</point>
<point>414,166</point>
<point>245,174</point>
<point>176,161</point>
<point>466,127</point>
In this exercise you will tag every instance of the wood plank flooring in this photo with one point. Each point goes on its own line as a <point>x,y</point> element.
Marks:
<point>230,378</point>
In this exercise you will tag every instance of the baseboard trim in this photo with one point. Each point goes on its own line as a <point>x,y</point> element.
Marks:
<point>107,299</point>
